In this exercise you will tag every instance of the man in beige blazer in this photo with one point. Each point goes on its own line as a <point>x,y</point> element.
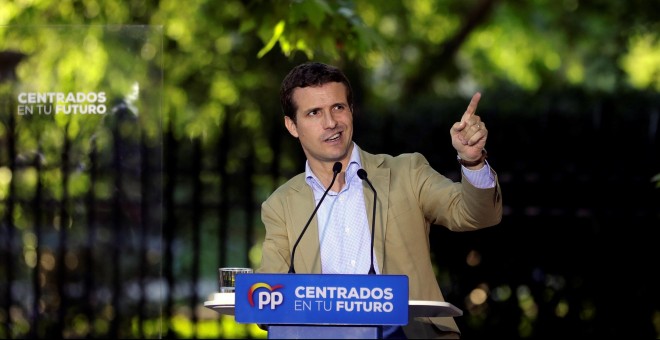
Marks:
<point>318,106</point>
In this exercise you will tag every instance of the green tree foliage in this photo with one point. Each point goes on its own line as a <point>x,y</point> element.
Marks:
<point>220,55</point>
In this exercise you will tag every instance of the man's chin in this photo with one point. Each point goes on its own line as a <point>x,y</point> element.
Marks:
<point>338,152</point>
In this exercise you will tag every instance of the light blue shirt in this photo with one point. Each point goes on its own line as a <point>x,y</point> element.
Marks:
<point>344,232</point>
<point>482,178</point>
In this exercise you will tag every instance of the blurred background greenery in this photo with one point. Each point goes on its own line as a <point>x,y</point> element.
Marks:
<point>570,93</point>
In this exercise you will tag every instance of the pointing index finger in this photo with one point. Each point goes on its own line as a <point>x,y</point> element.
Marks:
<point>472,107</point>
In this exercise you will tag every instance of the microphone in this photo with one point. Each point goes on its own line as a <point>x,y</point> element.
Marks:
<point>336,169</point>
<point>363,176</point>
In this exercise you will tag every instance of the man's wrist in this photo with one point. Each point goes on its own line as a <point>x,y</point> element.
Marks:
<point>479,161</point>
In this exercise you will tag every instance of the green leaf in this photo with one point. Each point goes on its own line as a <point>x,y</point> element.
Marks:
<point>277,33</point>
<point>656,179</point>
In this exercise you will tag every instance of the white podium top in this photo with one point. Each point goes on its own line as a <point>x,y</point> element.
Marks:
<point>421,308</point>
<point>223,303</point>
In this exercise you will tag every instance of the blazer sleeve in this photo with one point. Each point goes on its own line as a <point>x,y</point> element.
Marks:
<point>457,206</point>
<point>275,256</point>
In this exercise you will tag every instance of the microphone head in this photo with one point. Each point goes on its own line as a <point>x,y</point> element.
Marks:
<point>362,174</point>
<point>337,167</point>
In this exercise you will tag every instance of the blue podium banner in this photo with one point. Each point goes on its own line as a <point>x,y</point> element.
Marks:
<point>321,299</point>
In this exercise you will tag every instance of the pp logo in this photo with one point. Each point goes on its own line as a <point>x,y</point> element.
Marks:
<point>265,297</point>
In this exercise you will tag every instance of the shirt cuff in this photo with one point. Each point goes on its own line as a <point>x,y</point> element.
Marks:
<point>482,178</point>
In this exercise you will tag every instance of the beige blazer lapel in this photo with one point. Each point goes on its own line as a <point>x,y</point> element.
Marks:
<point>308,253</point>
<point>380,179</point>
<point>301,204</point>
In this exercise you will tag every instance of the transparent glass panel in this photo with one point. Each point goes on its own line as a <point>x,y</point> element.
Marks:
<point>81,181</point>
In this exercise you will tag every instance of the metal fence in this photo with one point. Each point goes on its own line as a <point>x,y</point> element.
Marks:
<point>121,235</point>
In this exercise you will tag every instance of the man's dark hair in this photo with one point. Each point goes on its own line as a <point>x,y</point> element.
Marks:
<point>310,74</point>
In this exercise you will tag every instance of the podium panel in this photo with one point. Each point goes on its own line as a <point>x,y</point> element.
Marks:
<point>321,299</point>
<point>325,332</point>
<point>326,306</point>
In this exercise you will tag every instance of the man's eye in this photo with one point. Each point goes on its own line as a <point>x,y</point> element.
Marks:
<point>312,113</point>
<point>339,107</point>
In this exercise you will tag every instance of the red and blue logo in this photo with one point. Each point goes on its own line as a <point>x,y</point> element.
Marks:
<point>266,295</point>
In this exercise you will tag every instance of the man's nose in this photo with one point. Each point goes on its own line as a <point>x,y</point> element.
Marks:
<point>329,121</point>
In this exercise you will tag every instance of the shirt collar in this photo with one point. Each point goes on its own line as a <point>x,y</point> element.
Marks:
<point>354,164</point>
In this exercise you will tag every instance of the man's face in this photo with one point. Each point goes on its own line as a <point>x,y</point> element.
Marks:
<point>324,122</point>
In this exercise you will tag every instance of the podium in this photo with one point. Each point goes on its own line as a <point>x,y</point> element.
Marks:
<point>325,306</point>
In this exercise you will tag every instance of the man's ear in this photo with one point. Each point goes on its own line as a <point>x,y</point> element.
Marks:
<point>291,126</point>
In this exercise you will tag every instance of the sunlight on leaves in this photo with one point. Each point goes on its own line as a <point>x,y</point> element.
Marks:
<point>277,33</point>
<point>656,179</point>
<point>588,311</point>
<point>5,180</point>
<point>643,62</point>
<point>562,308</point>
